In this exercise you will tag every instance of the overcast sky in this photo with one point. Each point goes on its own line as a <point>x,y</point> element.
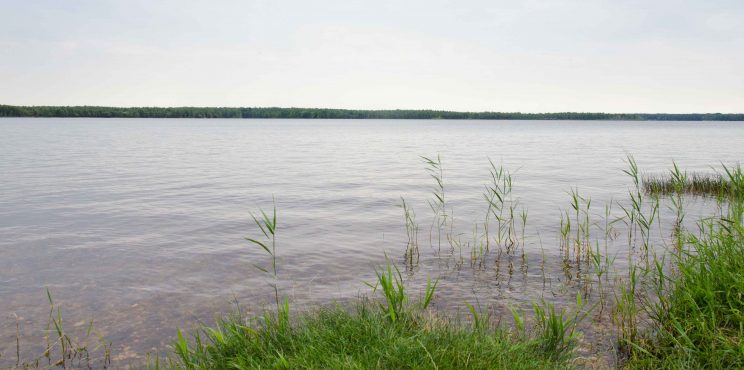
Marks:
<point>531,56</point>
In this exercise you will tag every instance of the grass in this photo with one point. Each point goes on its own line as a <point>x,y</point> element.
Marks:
<point>363,338</point>
<point>392,332</point>
<point>697,318</point>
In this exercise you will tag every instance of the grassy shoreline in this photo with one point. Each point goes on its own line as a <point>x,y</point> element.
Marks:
<point>697,312</point>
<point>680,308</point>
<point>363,337</point>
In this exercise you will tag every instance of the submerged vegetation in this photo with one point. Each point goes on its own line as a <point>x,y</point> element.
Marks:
<point>676,302</point>
<point>310,113</point>
<point>80,348</point>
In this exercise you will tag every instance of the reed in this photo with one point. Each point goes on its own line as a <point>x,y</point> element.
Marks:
<point>626,310</point>
<point>500,205</point>
<point>438,204</point>
<point>602,264</point>
<point>639,216</point>
<point>695,183</point>
<point>696,317</point>
<point>581,207</point>
<point>267,224</point>
<point>679,181</point>
<point>395,298</point>
<point>565,238</point>
<point>523,217</point>
<point>412,230</point>
<point>557,328</point>
<point>65,349</point>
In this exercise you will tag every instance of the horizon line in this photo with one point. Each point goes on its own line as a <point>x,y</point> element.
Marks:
<point>434,110</point>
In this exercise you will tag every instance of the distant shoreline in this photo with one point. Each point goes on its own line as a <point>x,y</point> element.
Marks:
<point>323,113</point>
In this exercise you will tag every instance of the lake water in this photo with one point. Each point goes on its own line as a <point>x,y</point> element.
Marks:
<point>139,224</point>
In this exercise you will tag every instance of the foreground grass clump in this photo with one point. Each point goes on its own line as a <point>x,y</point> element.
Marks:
<point>698,319</point>
<point>363,338</point>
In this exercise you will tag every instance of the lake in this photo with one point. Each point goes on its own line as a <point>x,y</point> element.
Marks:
<point>139,224</point>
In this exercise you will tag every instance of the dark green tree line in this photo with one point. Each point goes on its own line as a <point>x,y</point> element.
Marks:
<point>323,113</point>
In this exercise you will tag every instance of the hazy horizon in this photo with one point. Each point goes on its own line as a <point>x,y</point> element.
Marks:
<point>362,109</point>
<point>500,56</point>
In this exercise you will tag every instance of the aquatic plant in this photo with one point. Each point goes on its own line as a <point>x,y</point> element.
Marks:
<point>696,310</point>
<point>412,230</point>
<point>501,206</point>
<point>63,348</point>
<point>557,328</point>
<point>695,183</point>
<point>438,205</point>
<point>267,225</point>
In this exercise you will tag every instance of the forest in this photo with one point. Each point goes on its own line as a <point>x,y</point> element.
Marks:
<point>323,113</point>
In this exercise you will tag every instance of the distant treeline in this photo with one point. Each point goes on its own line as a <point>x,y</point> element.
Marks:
<point>309,113</point>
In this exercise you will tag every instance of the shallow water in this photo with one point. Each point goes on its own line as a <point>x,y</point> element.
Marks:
<point>139,223</point>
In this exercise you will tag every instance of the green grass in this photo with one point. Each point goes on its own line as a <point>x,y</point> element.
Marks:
<point>698,317</point>
<point>390,332</point>
<point>363,338</point>
<point>695,303</point>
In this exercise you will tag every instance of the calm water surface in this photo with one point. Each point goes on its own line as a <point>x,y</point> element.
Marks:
<point>139,223</point>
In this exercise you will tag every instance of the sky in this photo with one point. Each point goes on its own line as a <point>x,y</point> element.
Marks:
<point>670,56</point>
